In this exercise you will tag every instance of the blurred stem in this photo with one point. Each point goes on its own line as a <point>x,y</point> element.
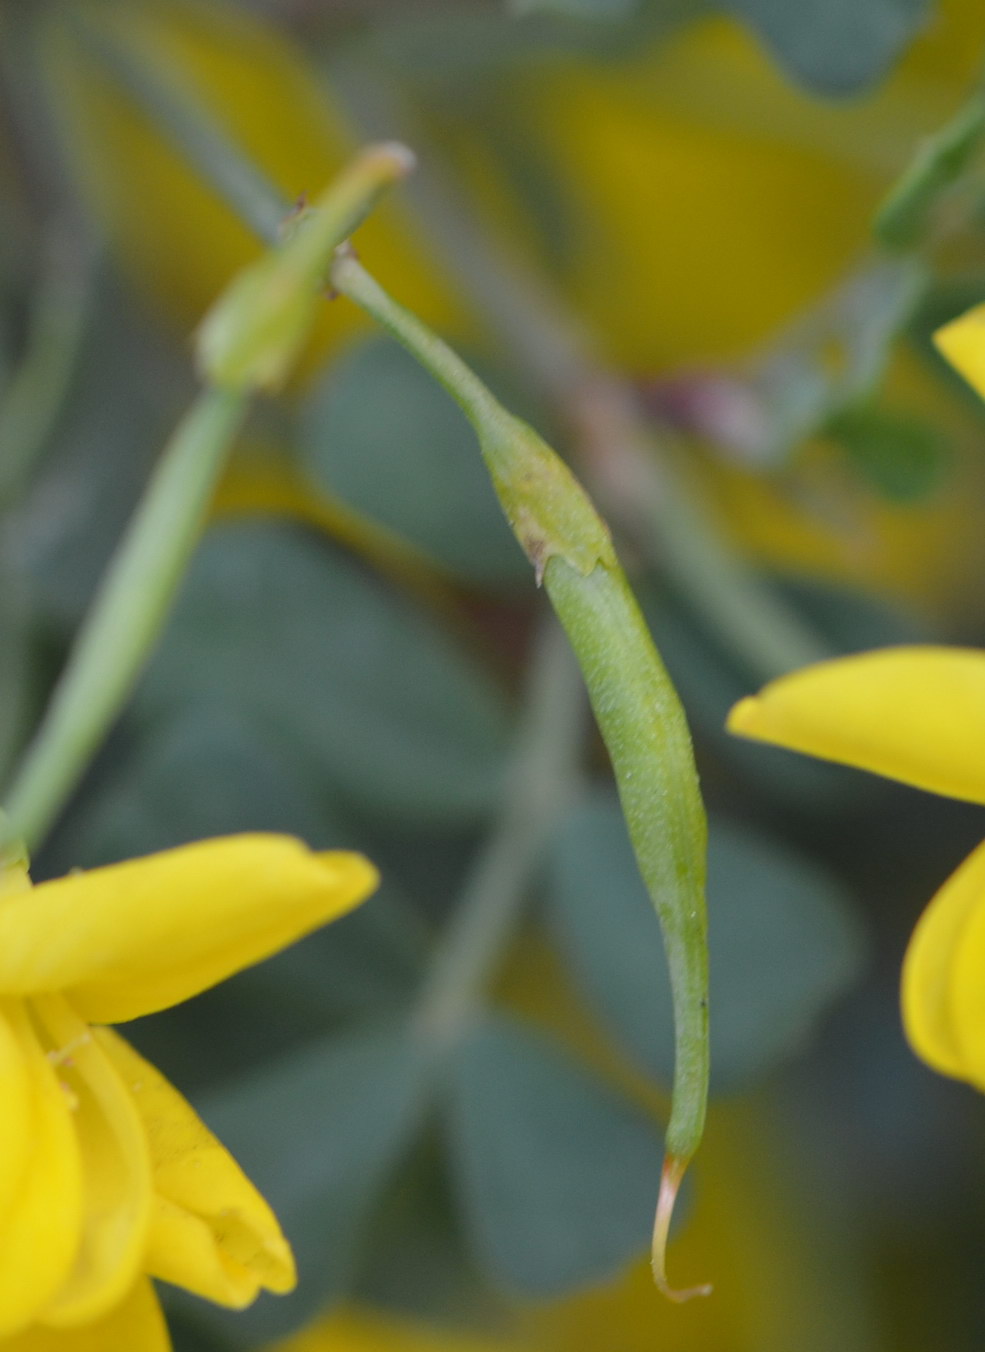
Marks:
<point>542,782</point>
<point>128,613</point>
<point>761,630</point>
<point>15,660</point>
<point>176,109</point>
<point>34,397</point>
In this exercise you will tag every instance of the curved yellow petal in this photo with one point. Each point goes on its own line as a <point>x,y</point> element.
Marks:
<point>915,714</point>
<point>140,936</point>
<point>214,1233</point>
<point>962,342</point>
<point>930,966</point>
<point>182,1250</point>
<point>965,977</point>
<point>42,1224</point>
<point>116,1173</point>
<point>135,1325</point>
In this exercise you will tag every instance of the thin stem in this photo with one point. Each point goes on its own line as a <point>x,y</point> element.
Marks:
<point>200,137</point>
<point>542,782</point>
<point>35,395</point>
<point>15,660</point>
<point>349,278</point>
<point>128,613</point>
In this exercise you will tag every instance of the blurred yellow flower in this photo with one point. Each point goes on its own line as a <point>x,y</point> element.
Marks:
<point>916,714</point>
<point>106,1173</point>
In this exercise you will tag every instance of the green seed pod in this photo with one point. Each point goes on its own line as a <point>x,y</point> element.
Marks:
<point>635,704</point>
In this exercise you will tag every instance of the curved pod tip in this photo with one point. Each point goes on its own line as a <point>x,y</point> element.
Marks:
<point>670,1182</point>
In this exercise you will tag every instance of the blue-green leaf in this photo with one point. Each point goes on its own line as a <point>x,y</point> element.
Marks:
<point>321,1133</point>
<point>557,1172</point>
<point>380,434</point>
<point>358,683</point>
<point>783,943</point>
<point>834,46</point>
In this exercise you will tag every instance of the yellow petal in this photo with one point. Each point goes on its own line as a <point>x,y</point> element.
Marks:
<point>42,1224</point>
<point>962,982</point>
<point>930,967</point>
<point>16,1117</point>
<point>116,1173</point>
<point>135,1325</point>
<point>962,342</point>
<point>913,714</point>
<point>215,1234</point>
<point>181,1249</point>
<point>137,937</point>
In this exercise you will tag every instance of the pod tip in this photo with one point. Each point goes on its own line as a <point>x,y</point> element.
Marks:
<point>670,1182</point>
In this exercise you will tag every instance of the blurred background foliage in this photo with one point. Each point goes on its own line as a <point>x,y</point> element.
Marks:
<point>689,188</point>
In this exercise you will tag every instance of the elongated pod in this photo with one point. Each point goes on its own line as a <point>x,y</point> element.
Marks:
<point>636,706</point>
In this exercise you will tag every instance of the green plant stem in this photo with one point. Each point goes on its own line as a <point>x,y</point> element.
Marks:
<point>542,782</point>
<point>33,399</point>
<point>174,106</point>
<point>127,614</point>
<point>15,659</point>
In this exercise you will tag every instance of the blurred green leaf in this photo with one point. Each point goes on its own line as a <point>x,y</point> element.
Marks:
<point>899,454</point>
<point>320,1132</point>
<point>870,313</point>
<point>835,359</point>
<point>782,942</point>
<point>355,681</point>
<point>834,46</point>
<point>417,1261</point>
<point>205,771</point>
<point>557,1172</point>
<point>379,433</point>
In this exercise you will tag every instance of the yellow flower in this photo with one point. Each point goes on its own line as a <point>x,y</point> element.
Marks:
<point>916,714</point>
<point>107,1176</point>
